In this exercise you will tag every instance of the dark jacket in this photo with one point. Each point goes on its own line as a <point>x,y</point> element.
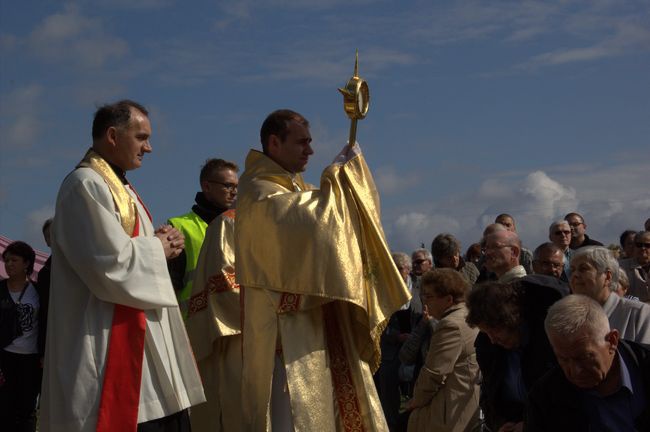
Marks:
<point>206,211</point>
<point>537,294</point>
<point>588,242</point>
<point>554,403</point>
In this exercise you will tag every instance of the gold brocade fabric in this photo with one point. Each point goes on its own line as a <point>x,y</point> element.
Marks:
<point>214,303</point>
<point>123,200</point>
<point>325,243</point>
<point>214,329</point>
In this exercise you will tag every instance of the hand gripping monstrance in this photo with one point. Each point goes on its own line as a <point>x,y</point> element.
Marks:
<point>356,98</point>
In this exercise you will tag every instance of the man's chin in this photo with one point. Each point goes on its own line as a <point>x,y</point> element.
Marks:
<point>584,384</point>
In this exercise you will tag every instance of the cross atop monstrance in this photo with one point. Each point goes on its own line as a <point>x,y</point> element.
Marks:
<point>356,98</point>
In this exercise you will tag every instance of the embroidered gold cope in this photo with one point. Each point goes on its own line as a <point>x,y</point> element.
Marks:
<point>318,284</point>
<point>214,329</point>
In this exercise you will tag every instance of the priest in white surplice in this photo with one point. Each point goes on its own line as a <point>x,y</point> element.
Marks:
<point>117,355</point>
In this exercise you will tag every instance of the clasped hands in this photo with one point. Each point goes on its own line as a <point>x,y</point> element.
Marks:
<point>173,241</point>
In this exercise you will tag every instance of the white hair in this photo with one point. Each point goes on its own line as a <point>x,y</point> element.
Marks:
<point>556,224</point>
<point>402,260</point>
<point>426,253</point>
<point>602,259</point>
<point>574,314</point>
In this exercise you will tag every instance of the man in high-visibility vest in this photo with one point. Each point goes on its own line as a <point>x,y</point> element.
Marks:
<point>218,181</point>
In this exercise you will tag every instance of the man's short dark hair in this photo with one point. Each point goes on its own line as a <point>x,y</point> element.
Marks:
<point>503,215</point>
<point>23,250</point>
<point>494,305</point>
<point>277,123</point>
<point>549,247</point>
<point>638,237</point>
<point>444,245</point>
<point>568,215</point>
<point>117,114</point>
<point>213,165</point>
<point>624,235</point>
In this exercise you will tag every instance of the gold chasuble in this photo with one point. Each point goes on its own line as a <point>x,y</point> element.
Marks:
<point>318,284</point>
<point>214,328</point>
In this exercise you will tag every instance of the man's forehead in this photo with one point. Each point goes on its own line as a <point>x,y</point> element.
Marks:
<point>550,254</point>
<point>571,345</point>
<point>139,120</point>
<point>297,127</point>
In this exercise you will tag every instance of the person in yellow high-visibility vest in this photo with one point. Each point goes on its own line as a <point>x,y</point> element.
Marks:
<point>218,181</point>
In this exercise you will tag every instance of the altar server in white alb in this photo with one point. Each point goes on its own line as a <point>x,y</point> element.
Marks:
<point>117,355</point>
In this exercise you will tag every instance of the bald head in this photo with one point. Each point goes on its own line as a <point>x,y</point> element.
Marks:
<point>502,249</point>
<point>492,228</point>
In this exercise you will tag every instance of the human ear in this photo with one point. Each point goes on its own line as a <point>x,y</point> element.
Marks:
<point>612,337</point>
<point>111,136</point>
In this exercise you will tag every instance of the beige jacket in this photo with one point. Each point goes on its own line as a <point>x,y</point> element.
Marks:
<point>446,389</point>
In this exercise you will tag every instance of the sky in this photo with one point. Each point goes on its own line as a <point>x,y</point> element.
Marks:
<point>533,108</point>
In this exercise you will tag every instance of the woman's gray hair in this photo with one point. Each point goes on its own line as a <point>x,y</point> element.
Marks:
<point>576,313</point>
<point>602,259</point>
<point>402,260</point>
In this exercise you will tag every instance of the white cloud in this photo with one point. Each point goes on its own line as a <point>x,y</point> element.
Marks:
<point>21,125</point>
<point>415,228</point>
<point>69,37</point>
<point>33,226</point>
<point>611,198</point>
<point>389,181</point>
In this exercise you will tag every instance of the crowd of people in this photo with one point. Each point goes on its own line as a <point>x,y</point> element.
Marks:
<point>291,313</point>
<point>506,293</point>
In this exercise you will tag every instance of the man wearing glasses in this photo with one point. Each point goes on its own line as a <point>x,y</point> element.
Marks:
<point>578,228</point>
<point>502,250</point>
<point>559,233</point>
<point>218,181</point>
<point>548,260</point>
<point>637,267</point>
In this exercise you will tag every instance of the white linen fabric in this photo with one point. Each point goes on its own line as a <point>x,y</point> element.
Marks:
<point>96,265</point>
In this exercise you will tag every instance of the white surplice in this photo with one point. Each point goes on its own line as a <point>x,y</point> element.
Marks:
<point>96,265</point>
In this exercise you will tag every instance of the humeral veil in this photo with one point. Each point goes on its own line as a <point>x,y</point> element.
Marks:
<point>318,286</point>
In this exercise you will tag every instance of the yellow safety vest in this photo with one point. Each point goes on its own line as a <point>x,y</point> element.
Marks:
<point>193,228</point>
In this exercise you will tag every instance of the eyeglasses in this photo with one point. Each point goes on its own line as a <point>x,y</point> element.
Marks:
<point>562,233</point>
<point>575,224</point>
<point>641,245</point>
<point>230,187</point>
<point>419,261</point>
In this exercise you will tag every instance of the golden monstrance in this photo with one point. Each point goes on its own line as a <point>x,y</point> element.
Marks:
<point>356,98</point>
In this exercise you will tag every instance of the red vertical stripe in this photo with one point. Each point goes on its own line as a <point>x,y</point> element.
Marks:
<point>120,399</point>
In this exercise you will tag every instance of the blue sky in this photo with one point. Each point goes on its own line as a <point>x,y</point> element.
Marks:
<point>477,107</point>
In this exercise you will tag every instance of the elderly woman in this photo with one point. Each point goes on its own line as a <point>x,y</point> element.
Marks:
<point>19,359</point>
<point>446,395</point>
<point>445,249</point>
<point>512,348</point>
<point>595,273</point>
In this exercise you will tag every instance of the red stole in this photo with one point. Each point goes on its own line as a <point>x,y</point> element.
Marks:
<point>120,399</point>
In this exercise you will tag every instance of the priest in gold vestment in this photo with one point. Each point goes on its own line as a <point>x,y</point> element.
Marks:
<point>318,285</point>
<point>214,328</point>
